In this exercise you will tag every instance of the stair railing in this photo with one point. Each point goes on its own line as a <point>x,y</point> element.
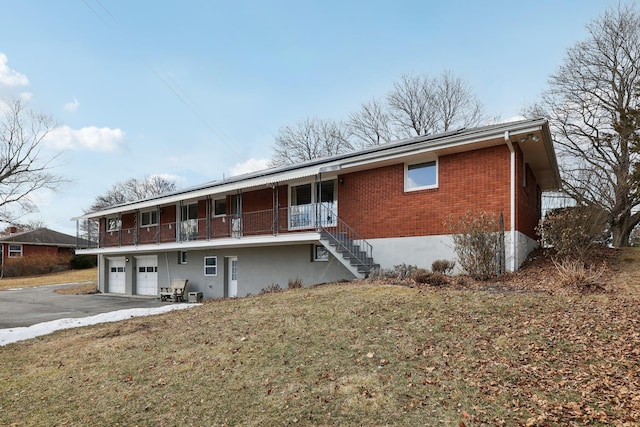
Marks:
<point>348,240</point>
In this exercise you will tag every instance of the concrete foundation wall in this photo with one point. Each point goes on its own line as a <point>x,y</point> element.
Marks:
<point>258,268</point>
<point>423,250</point>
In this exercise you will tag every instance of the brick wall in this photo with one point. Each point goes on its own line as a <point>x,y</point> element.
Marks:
<point>529,205</point>
<point>375,204</point>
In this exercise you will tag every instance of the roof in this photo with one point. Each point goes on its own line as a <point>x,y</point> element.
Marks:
<point>40,236</point>
<point>538,151</point>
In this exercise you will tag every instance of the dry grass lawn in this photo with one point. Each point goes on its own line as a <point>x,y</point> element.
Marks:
<point>348,354</point>
<point>87,276</point>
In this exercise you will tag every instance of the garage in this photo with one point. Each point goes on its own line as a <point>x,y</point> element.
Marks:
<point>147,275</point>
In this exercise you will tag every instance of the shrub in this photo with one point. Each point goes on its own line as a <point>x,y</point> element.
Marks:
<point>442,266</point>
<point>271,289</point>
<point>476,240</point>
<point>574,273</point>
<point>404,271</point>
<point>82,262</point>
<point>431,278</point>
<point>401,271</point>
<point>574,231</point>
<point>34,265</point>
<point>295,283</point>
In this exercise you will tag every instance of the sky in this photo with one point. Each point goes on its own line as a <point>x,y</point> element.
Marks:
<point>197,90</point>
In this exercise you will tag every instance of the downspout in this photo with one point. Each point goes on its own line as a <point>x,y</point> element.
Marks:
<point>512,201</point>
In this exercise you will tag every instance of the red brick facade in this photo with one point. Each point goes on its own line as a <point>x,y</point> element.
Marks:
<point>36,251</point>
<point>375,204</point>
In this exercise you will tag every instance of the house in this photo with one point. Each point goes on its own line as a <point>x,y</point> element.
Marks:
<point>35,243</point>
<point>329,219</point>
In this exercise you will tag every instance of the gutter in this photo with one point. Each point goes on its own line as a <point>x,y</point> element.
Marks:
<point>512,200</point>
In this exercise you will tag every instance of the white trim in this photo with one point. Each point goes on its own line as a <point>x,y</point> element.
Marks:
<point>151,212</point>
<point>453,142</point>
<point>214,257</point>
<point>229,242</point>
<point>407,188</point>
<point>213,210</point>
<point>9,251</point>
<point>512,202</point>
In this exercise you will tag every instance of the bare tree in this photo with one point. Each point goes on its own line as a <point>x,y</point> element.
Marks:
<point>131,190</point>
<point>412,105</point>
<point>417,105</point>
<point>371,125</point>
<point>23,167</point>
<point>309,139</point>
<point>457,106</point>
<point>423,105</point>
<point>592,103</point>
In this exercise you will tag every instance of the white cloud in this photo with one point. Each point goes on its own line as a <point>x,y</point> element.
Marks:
<point>26,96</point>
<point>87,138</point>
<point>178,180</point>
<point>72,106</point>
<point>251,165</point>
<point>9,77</point>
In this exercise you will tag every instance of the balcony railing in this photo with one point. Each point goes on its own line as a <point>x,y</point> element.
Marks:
<point>272,221</point>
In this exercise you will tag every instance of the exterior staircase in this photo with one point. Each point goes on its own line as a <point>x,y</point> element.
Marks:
<point>344,244</point>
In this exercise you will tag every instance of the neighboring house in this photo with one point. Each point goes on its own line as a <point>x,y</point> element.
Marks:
<point>329,219</point>
<point>33,243</point>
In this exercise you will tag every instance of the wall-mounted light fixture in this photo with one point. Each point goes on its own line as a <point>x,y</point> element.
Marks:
<point>126,259</point>
<point>528,137</point>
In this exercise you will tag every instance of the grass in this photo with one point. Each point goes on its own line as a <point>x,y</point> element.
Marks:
<point>69,276</point>
<point>347,354</point>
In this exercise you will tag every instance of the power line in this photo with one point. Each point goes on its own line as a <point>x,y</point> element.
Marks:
<point>164,77</point>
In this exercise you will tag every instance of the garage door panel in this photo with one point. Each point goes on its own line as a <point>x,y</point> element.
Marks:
<point>147,276</point>
<point>117,269</point>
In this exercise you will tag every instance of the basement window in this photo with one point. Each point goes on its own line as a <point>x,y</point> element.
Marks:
<point>211,266</point>
<point>320,253</point>
<point>421,176</point>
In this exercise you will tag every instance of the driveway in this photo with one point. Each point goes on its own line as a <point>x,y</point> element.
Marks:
<point>28,306</point>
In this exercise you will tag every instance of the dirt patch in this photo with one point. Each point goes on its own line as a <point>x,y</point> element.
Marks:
<point>81,289</point>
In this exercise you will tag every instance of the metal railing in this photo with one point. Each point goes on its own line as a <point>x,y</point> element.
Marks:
<point>349,242</point>
<point>272,221</point>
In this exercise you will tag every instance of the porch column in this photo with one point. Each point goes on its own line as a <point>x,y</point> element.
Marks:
<point>276,210</point>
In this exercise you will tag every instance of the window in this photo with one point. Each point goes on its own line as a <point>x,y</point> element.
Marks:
<point>236,204</point>
<point>313,204</point>
<point>182,257</point>
<point>189,222</point>
<point>421,176</point>
<point>220,207</point>
<point>211,266</point>
<point>149,218</point>
<point>15,251</point>
<point>320,253</point>
<point>114,224</point>
<point>189,212</point>
<point>301,195</point>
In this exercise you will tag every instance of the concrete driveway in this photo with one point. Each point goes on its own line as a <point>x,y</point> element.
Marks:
<point>28,306</point>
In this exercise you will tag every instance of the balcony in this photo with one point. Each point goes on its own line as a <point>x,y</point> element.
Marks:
<point>267,222</point>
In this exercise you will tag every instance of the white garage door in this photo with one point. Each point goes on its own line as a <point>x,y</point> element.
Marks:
<point>147,277</point>
<point>116,275</point>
